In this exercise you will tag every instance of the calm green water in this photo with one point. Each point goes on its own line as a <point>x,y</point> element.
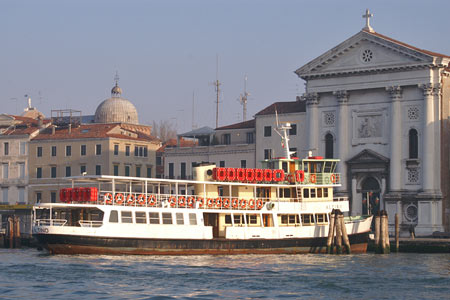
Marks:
<point>30,274</point>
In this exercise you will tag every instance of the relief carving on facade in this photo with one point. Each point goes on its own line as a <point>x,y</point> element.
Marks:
<point>369,127</point>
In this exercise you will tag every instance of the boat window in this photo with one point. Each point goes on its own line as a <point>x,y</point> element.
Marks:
<point>141,217</point>
<point>284,193</point>
<point>319,167</point>
<point>127,217</point>
<point>305,193</point>
<point>180,219</point>
<point>290,219</point>
<point>113,217</point>
<point>325,192</point>
<point>313,193</point>
<point>305,167</point>
<point>321,219</point>
<point>307,219</point>
<point>220,191</point>
<point>167,218</point>
<point>319,192</point>
<point>228,219</point>
<point>192,219</point>
<point>285,166</point>
<point>154,218</point>
<point>252,219</point>
<point>238,219</point>
<point>327,167</point>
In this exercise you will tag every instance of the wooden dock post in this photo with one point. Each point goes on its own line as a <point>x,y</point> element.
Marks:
<point>397,233</point>
<point>10,232</point>
<point>377,233</point>
<point>17,241</point>
<point>385,247</point>
<point>331,232</point>
<point>338,232</point>
<point>344,234</point>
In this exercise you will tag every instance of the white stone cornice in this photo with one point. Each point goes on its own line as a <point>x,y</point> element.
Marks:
<point>342,96</point>
<point>395,92</point>
<point>311,98</point>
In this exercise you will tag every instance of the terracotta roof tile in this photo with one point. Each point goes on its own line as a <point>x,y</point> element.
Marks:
<point>284,108</point>
<point>241,125</point>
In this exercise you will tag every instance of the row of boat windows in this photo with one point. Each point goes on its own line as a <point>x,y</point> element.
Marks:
<point>306,219</point>
<point>142,217</point>
<point>307,192</point>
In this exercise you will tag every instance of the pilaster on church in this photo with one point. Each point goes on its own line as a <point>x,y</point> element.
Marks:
<point>312,101</point>
<point>430,93</point>
<point>395,93</point>
<point>343,139</point>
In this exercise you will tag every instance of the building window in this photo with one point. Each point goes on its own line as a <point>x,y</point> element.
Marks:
<point>329,145</point>
<point>140,151</point>
<point>98,149</point>
<point>116,149</point>
<point>23,148</point>
<point>267,130</point>
<point>98,170</point>
<point>158,160</point>
<point>293,130</point>
<point>127,150</point>
<point>83,150</point>
<point>5,195</point>
<point>149,172</point>
<point>116,170</point>
<point>250,139</point>
<point>53,197</point>
<point>53,172</point>
<point>243,163</point>
<point>21,170</point>
<point>127,170</point>
<point>53,150</point>
<point>222,164</point>
<point>38,197</point>
<point>413,144</point>
<point>138,171</point>
<point>267,153</point>
<point>183,170</point>
<point>68,171</point>
<point>39,172</point>
<point>69,150</point>
<point>21,195</point>
<point>83,169</point>
<point>5,169</point>
<point>39,151</point>
<point>171,175</point>
<point>6,148</point>
<point>226,139</point>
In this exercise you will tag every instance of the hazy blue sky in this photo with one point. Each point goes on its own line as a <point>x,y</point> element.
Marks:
<point>65,53</point>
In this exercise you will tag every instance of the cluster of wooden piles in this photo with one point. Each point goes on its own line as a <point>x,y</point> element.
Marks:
<point>382,245</point>
<point>337,234</point>
<point>12,235</point>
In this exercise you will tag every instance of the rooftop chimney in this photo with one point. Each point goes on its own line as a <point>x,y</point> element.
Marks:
<point>70,128</point>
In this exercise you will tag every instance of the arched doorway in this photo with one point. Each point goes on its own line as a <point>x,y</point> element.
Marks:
<point>370,189</point>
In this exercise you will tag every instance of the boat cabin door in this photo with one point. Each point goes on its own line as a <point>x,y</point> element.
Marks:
<point>212,220</point>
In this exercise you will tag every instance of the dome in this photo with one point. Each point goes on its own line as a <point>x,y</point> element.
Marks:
<point>116,109</point>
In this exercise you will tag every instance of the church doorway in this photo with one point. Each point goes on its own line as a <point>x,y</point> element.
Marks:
<point>370,189</point>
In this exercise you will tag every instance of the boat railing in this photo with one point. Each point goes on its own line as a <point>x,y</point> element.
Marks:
<point>340,199</point>
<point>50,222</point>
<point>85,223</point>
<point>322,178</point>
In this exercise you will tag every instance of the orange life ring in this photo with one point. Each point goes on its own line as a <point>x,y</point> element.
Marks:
<point>130,199</point>
<point>250,175</point>
<point>243,203</point>
<point>268,175</point>
<point>173,201</point>
<point>240,174</point>
<point>231,174</point>
<point>219,202</point>
<point>181,201</point>
<point>259,175</point>
<point>278,175</point>
<point>108,198</point>
<point>235,203</point>
<point>333,178</point>
<point>119,199</point>
<point>221,174</point>
<point>259,204</point>
<point>251,203</point>
<point>141,200</point>
<point>226,203</point>
<point>190,201</point>
<point>151,200</point>
<point>312,178</point>
<point>210,202</point>
<point>299,175</point>
<point>202,202</point>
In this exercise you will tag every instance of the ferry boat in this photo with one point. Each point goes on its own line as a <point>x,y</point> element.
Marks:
<point>284,207</point>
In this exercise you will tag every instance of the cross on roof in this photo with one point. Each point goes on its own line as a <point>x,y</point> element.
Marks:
<point>368,15</point>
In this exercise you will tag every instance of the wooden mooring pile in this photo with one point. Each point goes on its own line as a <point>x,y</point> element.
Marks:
<point>382,245</point>
<point>11,238</point>
<point>337,234</point>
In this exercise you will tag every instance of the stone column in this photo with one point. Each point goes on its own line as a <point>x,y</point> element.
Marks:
<point>383,191</point>
<point>312,101</point>
<point>395,93</point>
<point>428,140</point>
<point>342,137</point>
<point>356,202</point>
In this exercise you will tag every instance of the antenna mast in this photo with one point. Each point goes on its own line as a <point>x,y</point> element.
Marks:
<point>283,131</point>
<point>217,86</point>
<point>243,100</point>
<point>193,110</point>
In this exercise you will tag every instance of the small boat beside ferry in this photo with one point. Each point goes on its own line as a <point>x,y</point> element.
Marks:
<point>283,207</point>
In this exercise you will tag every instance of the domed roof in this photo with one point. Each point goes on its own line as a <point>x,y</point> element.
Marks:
<point>116,109</point>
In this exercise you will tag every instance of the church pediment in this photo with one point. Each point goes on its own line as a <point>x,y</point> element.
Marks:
<point>368,156</point>
<point>366,52</point>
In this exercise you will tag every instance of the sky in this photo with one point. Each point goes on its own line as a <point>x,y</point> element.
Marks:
<point>65,54</point>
